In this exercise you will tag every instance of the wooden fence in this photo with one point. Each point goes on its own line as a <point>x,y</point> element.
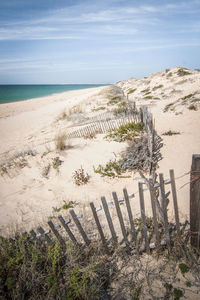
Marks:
<point>145,234</point>
<point>105,122</point>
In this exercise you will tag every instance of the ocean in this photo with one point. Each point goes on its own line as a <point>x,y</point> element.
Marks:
<point>13,93</point>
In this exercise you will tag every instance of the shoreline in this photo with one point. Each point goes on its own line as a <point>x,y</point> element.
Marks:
<point>11,108</point>
<point>88,86</point>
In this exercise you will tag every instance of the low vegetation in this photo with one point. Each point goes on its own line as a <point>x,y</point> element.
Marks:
<point>62,116</point>
<point>77,109</point>
<point>56,162</point>
<point>16,161</point>
<point>90,136</point>
<point>168,107</point>
<point>45,171</point>
<point>192,107</point>
<point>80,177</point>
<point>183,72</point>
<point>65,206</point>
<point>148,97</point>
<point>158,87</point>
<point>113,94</point>
<point>112,169</point>
<point>187,97</point>
<point>125,132</point>
<point>122,108</point>
<point>136,156</point>
<point>131,91</point>
<point>114,100</point>
<point>170,133</point>
<point>32,269</point>
<point>147,90</point>
<point>61,142</point>
<point>99,108</point>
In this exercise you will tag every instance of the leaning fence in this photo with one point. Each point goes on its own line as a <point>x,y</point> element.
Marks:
<point>140,236</point>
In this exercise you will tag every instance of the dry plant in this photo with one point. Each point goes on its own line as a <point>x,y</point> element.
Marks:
<point>90,136</point>
<point>77,109</point>
<point>46,170</point>
<point>80,177</point>
<point>62,116</point>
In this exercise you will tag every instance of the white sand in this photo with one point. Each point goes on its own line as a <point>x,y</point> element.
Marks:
<point>28,198</point>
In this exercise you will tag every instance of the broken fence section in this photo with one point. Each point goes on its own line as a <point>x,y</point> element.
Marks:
<point>141,238</point>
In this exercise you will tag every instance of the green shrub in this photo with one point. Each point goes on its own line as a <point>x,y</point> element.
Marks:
<point>125,132</point>
<point>148,97</point>
<point>187,97</point>
<point>158,87</point>
<point>183,72</point>
<point>65,206</point>
<point>112,169</point>
<point>183,268</point>
<point>130,91</point>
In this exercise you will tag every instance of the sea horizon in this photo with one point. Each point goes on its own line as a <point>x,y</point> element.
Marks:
<point>20,92</point>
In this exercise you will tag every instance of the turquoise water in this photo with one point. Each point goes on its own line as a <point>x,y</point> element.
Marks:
<point>12,93</point>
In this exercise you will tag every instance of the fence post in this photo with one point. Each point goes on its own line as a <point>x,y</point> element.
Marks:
<point>195,201</point>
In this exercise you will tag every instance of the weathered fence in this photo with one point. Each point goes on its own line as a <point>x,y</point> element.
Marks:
<point>102,126</point>
<point>105,122</point>
<point>149,233</point>
<point>154,141</point>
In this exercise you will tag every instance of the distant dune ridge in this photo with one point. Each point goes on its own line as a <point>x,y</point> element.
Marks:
<point>37,176</point>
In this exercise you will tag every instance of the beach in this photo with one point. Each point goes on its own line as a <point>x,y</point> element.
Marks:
<point>28,198</point>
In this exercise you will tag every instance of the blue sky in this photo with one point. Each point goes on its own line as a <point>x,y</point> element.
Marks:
<point>72,41</point>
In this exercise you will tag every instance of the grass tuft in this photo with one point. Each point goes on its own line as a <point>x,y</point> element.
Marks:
<point>60,141</point>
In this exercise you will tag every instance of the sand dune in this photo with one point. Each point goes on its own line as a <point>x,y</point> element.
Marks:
<point>30,128</point>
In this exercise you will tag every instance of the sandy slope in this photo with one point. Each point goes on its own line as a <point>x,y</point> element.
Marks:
<point>27,197</point>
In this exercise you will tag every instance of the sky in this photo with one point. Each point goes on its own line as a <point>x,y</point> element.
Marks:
<point>95,41</point>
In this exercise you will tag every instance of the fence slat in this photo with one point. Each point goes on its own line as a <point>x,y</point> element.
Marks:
<point>153,205</point>
<point>68,230</point>
<point>109,220</point>
<point>55,231</point>
<point>130,215</point>
<point>33,234</point>
<point>174,196</point>
<point>98,225</point>
<point>195,201</point>
<point>143,217</point>
<point>119,214</point>
<point>164,208</point>
<point>47,238</point>
<point>79,226</point>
